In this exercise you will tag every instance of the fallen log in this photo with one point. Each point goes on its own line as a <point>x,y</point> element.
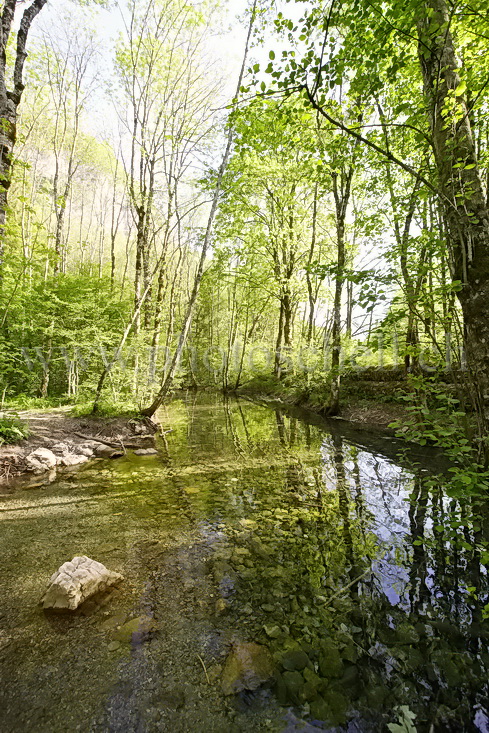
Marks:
<point>119,444</point>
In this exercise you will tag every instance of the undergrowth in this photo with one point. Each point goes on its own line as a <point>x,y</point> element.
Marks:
<point>12,429</point>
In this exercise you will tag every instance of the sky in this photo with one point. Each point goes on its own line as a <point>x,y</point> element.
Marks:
<point>227,47</point>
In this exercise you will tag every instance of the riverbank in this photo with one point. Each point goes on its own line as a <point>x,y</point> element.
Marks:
<point>370,402</point>
<point>373,403</point>
<point>59,440</point>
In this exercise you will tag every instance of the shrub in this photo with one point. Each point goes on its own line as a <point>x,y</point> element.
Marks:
<point>12,429</point>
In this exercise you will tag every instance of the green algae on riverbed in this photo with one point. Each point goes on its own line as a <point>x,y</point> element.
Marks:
<point>248,526</point>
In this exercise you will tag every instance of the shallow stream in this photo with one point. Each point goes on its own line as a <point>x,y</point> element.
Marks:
<point>251,524</point>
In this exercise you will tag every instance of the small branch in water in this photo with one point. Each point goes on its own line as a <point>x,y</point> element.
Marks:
<point>97,440</point>
<point>119,445</point>
<point>345,588</point>
<point>205,669</point>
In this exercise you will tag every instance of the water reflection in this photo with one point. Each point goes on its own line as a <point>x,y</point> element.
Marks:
<point>358,572</point>
<point>407,630</point>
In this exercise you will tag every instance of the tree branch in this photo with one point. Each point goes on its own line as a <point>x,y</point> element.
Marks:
<point>21,55</point>
<point>384,153</point>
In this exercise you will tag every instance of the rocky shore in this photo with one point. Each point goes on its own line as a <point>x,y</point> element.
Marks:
<point>58,440</point>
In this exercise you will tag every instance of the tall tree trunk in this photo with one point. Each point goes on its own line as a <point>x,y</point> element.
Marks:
<point>114,223</point>
<point>10,99</point>
<point>278,344</point>
<point>402,235</point>
<point>341,192</point>
<point>310,291</point>
<point>465,208</point>
<point>162,286</point>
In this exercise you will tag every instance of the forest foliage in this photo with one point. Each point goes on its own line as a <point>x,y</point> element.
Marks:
<point>352,225</point>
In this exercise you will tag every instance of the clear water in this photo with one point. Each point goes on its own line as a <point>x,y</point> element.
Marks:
<point>254,525</point>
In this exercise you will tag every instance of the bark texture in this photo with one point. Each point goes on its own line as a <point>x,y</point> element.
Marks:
<point>465,208</point>
<point>10,98</point>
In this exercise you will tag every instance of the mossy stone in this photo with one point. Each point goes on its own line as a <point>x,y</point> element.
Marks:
<point>281,689</point>
<point>338,705</point>
<point>376,695</point>
<point>330,663</point>
<point>413,659</point>
<point>407,634</point>
<point>350,652</point>
<point>136,630</point>
<point>320,709</point>
<point>452,674</point>
<point>294,682</point>
<point>309,692</point>
<point>295,659</point>
<point>312,678</point>
<point>350,676</point>
<point>248,665</point>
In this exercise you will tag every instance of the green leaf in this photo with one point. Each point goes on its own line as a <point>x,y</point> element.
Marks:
<point>460,89</point>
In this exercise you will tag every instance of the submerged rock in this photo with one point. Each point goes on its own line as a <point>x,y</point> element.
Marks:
<point>60,448</point>
<point>86,449</point>
<point>145,452</point>
<point>294,683</point>
<point>330,662</point>
<point>137,630</point>
<point>172,697</point>
<point>221,606</point>
<point>76,581</point>
<point>295,659</point>
<point>104,451</point>
<point>248,665</point>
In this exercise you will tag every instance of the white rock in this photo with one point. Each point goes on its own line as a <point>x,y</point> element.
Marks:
<point>76,581</point>
<point>71,459</point>
<point>145,452</point>
<point>41,459</point>
<point>86,449</point>
<point>104,451</point>
<point>61,448</point>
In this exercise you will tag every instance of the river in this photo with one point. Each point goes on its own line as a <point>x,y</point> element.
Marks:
<point>251,524</point>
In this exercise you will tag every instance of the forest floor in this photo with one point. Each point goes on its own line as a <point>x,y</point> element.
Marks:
<point>72,440</point>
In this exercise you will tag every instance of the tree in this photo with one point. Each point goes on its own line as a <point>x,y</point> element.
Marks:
<point>372,47</point>
<point>460,185</point>
<point>10,97</point>
<point>167,380</point>
<point>71,78</point>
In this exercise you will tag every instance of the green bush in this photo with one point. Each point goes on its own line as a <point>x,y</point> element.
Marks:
<point>12,429</point>
<point>28,402</point>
